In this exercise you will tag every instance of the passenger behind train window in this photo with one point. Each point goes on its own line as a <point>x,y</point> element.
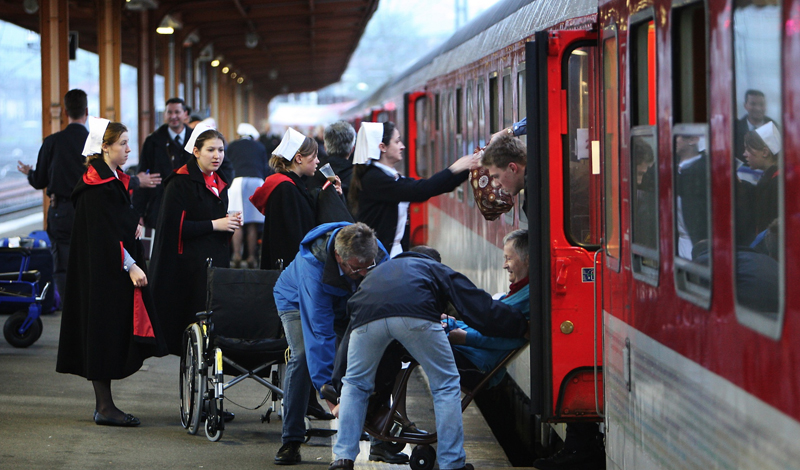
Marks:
<point>645,214</point>
<point>758,191</point>
<point>473,350</point>
<point>691,163</point>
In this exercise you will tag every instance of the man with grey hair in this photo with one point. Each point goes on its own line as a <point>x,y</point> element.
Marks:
<point>340,140</point>
<point>311,297</point>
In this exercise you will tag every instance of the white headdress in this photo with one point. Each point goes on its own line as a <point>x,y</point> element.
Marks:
<point>247,129</point>
<point>198,129</point>
<point>290,144</point>
<point>370,135</point>
<point>94,142</point>
<point>771,136</point>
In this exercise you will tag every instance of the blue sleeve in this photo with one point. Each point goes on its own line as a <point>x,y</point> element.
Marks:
<point>521,127</point>
<point>316,313</point>
<point>476,340</point>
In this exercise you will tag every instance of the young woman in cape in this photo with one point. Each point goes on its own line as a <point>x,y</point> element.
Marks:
<point>193,226</point>
<point>379,196</point>
<point>108,323</point>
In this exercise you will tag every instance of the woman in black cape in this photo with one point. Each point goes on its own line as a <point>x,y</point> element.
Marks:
<point>108,323</point>
<point>193,225</point>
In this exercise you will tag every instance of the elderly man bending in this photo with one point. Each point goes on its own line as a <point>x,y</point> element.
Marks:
<point>402,299</point>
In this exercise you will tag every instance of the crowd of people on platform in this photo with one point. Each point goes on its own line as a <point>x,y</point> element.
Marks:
<point>349,284</point>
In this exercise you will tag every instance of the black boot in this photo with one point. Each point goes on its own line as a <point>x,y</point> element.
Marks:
<point>288,454</point>
<point>377,452</point>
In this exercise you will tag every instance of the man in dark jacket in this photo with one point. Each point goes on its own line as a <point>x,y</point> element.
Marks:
<point>59,167</point>
<point>403,299</point>
<point>340,140</point>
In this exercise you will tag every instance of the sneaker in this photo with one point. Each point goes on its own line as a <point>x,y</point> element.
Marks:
<point>570,459</point>
<point>288,454</point>
<point>380,454</point>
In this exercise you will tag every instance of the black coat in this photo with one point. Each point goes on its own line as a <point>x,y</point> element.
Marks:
<point>380,194</point>
<point>184,240</point>
<point>59,165</point>
<point>766,200</point>
<point>249,158</point>
<point>97,324</point>
<point>289,213</point>
<point>414,285</point>
<point>692,187</point>
<point>739,132</point>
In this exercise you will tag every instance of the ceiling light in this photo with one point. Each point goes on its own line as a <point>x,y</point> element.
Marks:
<point>240,80</point>
<point>168,25</point>
<point>226,69</point>
<point>215,63</point>
<point>251,40</point>
<point>233,75</point>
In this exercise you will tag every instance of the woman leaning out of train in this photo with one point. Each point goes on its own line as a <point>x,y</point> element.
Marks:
<point>108,323</point>
<point>379,196</point>
<point>193,226</point>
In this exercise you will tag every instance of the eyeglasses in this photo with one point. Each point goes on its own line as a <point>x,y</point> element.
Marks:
<point>356,270</point>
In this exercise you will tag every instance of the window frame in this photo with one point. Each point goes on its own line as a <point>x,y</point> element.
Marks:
<point>611,32</point>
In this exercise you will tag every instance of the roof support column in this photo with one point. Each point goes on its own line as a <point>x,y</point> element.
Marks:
<point>251,104</point>
<point>109,50</point>
<point>145,74</point>
<point>214,91</point>
<point>54,27</point>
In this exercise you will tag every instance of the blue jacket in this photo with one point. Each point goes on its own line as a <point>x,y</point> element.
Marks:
<point>485,352</point>
<point>314,285</point>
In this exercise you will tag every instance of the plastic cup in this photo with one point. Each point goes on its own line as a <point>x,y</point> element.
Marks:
<point>328,172</point>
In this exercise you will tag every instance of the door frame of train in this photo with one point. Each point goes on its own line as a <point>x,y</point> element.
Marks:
<point>417,211</point>
<point>544,71</point>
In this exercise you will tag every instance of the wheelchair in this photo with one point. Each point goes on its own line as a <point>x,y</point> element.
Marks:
<point>239,335</point>
<point>20,289</point>
<point>391,424</point>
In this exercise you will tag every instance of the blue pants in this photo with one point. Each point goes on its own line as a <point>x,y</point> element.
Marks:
<point>426,341</point>
<point>297,383</point>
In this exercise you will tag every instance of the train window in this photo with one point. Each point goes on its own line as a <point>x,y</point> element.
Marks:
<point>423,158</point>
<point>479,99</point>
<point>459,111</point>
<point>643,68</point>
<point>581,228</point>
<point>470,132</point>
<point>643,149</point>
<point>494,104</point>
<point>508,99</point>
<point>758,166</point>
<point>445,156</point>
<point>436,111</point>
<point>611,148</point>
<point>522,105</point>
<point>691,182</point>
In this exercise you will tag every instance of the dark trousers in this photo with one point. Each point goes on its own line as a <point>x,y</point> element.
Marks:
<point>60,218</point>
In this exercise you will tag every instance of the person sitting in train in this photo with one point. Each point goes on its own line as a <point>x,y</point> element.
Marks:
<point>692,206</point>
<point>473,350</point>
<point>761,149</point>
<point>402,299</point>
<point>506,157</point>
<point>379,196</point>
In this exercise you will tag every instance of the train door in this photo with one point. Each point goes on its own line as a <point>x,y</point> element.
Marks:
<point>563,186</point>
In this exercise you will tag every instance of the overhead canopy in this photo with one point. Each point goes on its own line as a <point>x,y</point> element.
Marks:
<point>299,45</point>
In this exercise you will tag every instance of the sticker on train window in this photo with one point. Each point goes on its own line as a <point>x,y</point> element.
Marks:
<point>587,274</point>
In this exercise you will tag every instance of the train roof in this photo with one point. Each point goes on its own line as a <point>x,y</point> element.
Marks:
<point>504,23</point>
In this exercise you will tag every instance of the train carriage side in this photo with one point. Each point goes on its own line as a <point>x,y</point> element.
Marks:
<point>700,350</point>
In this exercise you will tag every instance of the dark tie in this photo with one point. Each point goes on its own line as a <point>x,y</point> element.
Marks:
<point>178,140</point>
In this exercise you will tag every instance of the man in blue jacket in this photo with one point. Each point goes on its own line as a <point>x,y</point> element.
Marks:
<point>311,296</point>
<point>402,300</point>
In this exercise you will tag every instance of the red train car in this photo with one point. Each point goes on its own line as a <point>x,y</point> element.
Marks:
<point>659,261</point>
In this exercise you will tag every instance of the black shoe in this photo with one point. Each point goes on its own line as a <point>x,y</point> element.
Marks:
<point>126,422</point>
<point>570,459</point>
<point>288,454</point>
<point>315,410</point>
<point>378,453</point>
<point>341,464</point>
<point>227,416</point>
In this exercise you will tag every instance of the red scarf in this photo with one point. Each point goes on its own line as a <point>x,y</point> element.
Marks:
<point>213,183</point>
<point>517,286</point>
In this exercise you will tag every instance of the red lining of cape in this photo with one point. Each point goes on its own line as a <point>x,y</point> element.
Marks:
<point>260,197</point>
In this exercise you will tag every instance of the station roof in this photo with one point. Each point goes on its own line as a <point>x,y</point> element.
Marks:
<point>302,45</point>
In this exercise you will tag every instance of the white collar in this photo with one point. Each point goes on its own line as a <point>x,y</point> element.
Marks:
<point>386,169</point>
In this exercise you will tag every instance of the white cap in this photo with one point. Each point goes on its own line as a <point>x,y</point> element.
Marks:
<point>290,144</point>
<point>771,136</point>
<point>247,129</point>
<point>370,135</point>
<point>198,129</point>
<point>94,142</point>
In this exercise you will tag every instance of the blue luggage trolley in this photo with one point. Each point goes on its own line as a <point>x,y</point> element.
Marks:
<point>24,327</point>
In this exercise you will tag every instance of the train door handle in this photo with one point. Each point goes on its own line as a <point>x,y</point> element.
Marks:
<point>562,270</point>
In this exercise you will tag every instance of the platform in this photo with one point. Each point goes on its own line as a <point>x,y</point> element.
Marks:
<point>47,421</point>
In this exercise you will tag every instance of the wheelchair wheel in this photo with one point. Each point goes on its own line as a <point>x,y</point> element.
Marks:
<point>192,379</point>
<point>17,339</point>
<point>423,457</point>
<point>214,422</point>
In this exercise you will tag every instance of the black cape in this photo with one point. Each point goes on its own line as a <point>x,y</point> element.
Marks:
<point>98,340</point>
<point>184,240</point>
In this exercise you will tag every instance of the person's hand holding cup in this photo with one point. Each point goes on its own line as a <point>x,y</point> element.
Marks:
<point>235,217</point>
